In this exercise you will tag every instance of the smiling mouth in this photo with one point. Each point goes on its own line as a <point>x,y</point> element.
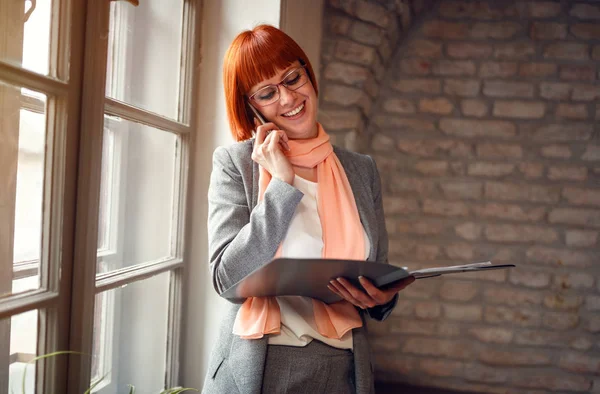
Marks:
<point>295,111</point>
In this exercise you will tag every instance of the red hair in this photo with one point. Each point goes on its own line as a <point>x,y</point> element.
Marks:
<point>254,56</point>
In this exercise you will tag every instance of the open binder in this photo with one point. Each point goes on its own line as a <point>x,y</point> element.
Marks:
<point>310,277</point>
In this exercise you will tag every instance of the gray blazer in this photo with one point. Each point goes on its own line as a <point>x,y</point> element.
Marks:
<point>243,236</point>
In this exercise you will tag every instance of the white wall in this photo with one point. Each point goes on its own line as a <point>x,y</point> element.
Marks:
<point>222,21</point>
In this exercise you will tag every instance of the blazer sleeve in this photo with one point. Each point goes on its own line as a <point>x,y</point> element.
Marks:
<point>241,239</point>
<point>380,312</point>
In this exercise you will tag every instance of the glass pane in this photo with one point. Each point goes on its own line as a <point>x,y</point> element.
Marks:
<point>23,348</point>
<point>144,43</point>
<point>137,195</point>
<point>22,155</point>
<point>130,337</point>
<point>25,33</point>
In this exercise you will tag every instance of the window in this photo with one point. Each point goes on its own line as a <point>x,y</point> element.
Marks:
<point>93,180</point>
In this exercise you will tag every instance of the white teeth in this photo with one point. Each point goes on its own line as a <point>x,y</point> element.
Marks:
<point>295,111</point>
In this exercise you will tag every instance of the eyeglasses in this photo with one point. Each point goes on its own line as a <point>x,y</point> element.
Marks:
<point>268,95</point>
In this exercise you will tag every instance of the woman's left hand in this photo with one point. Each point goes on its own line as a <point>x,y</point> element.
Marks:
<point>369,297</point>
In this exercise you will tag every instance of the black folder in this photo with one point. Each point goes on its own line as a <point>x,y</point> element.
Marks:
<point>310,277</point>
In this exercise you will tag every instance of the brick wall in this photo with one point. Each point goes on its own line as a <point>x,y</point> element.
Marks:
<point>482,117</point>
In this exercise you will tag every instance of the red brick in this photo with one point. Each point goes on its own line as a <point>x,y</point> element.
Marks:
<point>427,309</point>
<point>403,124</point>
<point>480,373</point>
<point>556,151</point>
<point>490,150</point>
<point>562,132</point>
<point>573,280</point>
<point>462,87</point>
<point>445,208</point>
<point>510,212</point>
<point>490,169</point>
<point>404,308</point>
<point>555,91</point>
<point>425,252</point>
<point>513,297</point>
<point>593,324</point>
<point>563,302</point>
<point>340,119</point>
<point>519,109</point>
<point>454,68</point>
<point>586,92</point>
<point>393,364</point>
<point>473,107</point>
<point>497,69</point>
<point>436,367</point>
<point>570,173</point>
<point>514,50</point>
<point>516,316</point>
<point>432,167</point>
<point>539,9</point>
<point>462,190</point>
<point>454,290</point>
<point>596,52</point>
<point>438,347</point>
<point>343,95</point>
<point>548,31</point>
<point>496,30</point>
<point>467,313</point>
<point>398,205</point>
<point>540,338</point>
<point>581,343</point>
<point>346,73</point>
<point>520,233</point>
<point>477,128</point>
<point>531,170</point>
<point>445,30</point>
<point>567,51</point>
<point>553,382</point>
<point>513,358</point>
<point>460,251</point>
<point>579,196</point>
<point>580,363</point>
<point>492,334</point>
<point>538,70</point>
<point>468,50</point>
<point>585,11</point>
<point>382,143</point>
<point>435,148</point>
<point>418,85</point>
<point>586,31</point>
<point>355,53</point>
<point>423,48</point>
<point>572,111</point>
<point>440,106</point>
<point>338,24</point>
<point>399,106</point>
<point>419,227</point>
<point>577,73</point>
<point>560,321</point>
<point>412,326</point>
<point>366,33</point>
<point>592,153</point>
<point>476,10</point>
<point>507,89</point>
<point>469,231</point>
<point>582,217</point>
<point>581,238</point>
<point>592,303</point>
<point>558,257</point>
<point>521,192</point>
<point>372,12</point>
<point>528,278</point>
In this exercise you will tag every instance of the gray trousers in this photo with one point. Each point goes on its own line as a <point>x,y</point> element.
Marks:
<point>313,369</point>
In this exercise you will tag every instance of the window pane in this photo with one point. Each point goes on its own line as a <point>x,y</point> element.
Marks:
<point>137,195</point>
<point>144,54</point>
<point>130,336</point>
<point>22,155</point>
<point>23,348</point>
<point>25,44</point>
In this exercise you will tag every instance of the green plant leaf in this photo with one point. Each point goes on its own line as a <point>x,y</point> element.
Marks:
<point>131,389</point>
<point>89,390</point>
<point>58,353</point>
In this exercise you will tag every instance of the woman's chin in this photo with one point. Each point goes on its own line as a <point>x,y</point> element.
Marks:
<point>301,131</point>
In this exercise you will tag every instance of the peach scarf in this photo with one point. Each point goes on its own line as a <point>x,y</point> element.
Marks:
<point>342,238</point>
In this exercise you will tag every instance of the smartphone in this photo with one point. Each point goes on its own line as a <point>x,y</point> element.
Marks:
<point>257,114</point>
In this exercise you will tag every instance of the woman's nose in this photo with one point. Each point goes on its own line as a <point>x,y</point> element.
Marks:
<point>286,96</point>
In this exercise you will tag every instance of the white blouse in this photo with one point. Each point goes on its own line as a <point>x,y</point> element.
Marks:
<point>304,239</point>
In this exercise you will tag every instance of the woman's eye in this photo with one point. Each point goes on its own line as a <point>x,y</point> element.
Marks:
<point>266,95</point>
<point>293,79</point>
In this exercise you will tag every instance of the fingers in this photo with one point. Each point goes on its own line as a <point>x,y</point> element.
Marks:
<point>262,131</point>
<point>401,285</point>
<point>363,299</point>
<point>376,294</point>
<point>340,290</point>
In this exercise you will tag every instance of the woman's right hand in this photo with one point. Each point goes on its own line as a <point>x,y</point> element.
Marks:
<point>268,152</point>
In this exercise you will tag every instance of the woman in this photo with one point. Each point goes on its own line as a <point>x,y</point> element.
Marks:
<point>288,192</point>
